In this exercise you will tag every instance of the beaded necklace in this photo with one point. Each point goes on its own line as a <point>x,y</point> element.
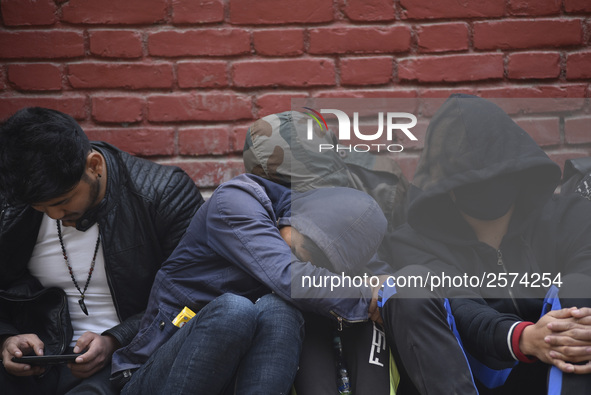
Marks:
<point>98,240</point>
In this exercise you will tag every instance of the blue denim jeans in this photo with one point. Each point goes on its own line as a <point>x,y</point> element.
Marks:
<point>230,342</point>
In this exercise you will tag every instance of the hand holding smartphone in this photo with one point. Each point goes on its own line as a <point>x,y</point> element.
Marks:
<point>46,359</point>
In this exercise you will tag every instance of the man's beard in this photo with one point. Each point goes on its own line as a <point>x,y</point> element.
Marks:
<point>95,190</point>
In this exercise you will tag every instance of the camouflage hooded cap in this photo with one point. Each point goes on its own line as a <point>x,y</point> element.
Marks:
<point>277,148</point>
<point>345,223</point>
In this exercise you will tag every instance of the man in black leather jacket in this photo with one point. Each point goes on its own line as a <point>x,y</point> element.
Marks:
<point>141,210</point>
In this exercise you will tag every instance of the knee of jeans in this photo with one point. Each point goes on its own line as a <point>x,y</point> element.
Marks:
<point>278,320</point>
<point>232,300</point>
<point>236,308</point>
<point>271,301</point>
<point>272,309</point>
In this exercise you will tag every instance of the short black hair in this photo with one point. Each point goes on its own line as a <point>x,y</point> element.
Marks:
<point>42,155</point>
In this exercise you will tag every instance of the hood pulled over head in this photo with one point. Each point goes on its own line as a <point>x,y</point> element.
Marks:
<point>278,148</point>
<point>291,149</point>
<point>473,148</point>
<point>347,225</point>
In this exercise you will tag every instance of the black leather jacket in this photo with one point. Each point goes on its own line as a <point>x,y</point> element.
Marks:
<point>146,210</point>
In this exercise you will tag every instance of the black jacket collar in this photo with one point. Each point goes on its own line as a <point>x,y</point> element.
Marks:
<point>112,194</point>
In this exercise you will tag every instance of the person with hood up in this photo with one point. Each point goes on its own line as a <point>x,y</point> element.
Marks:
<point>482,206</point>
<point>278,148</point>
<point>234,268</point>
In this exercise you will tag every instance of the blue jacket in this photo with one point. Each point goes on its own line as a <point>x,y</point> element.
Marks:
<point>233,245</point>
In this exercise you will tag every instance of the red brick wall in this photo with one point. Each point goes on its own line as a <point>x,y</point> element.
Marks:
<point>179,81</point>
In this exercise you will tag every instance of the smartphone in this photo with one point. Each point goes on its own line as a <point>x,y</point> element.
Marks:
<point>46,359</point>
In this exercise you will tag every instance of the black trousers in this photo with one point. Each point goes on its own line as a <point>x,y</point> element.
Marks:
<point>431,361</point>
<point>367,358</point>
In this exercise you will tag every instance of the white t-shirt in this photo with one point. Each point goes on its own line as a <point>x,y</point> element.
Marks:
<point>48,265</point>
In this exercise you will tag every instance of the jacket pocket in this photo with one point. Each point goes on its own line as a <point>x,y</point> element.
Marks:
<point>149,339</point>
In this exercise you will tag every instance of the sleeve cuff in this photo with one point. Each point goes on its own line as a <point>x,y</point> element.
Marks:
<point>514,336</point>
<point>283,221</point>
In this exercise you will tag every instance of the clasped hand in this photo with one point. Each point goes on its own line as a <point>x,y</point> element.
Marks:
<point>561,338</point>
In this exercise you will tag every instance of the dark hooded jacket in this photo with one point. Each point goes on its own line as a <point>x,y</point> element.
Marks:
<point>471,140</point>
<point>277,148</point>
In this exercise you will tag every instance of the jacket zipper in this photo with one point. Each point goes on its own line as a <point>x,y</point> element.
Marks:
<point>501,263</point>
<point>110,283</point>
<point>63,341</point>
<point>341,320</point>
<point>2,218</point>
<point>108,276</point>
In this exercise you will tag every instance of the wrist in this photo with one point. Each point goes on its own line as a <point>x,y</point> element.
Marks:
<point>522,347</point>
<point>113,343</point>
<point>385,291</point>
<point>2,341</point>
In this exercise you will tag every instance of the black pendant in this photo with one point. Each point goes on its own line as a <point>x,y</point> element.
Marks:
<point>83,306</point>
